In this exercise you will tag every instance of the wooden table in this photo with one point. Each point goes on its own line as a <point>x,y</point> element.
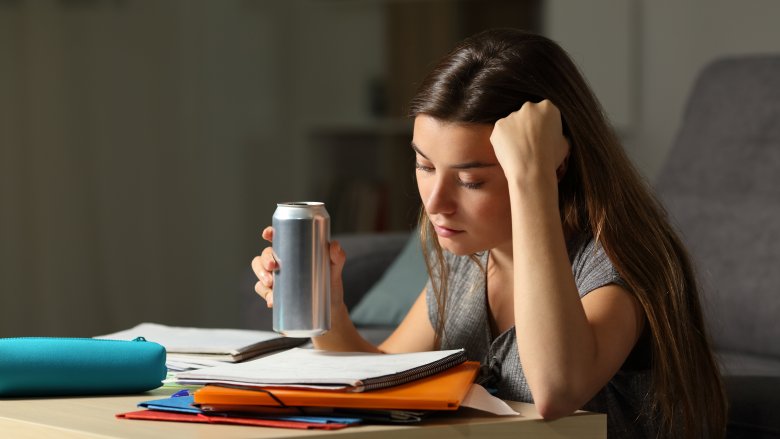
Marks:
<point>93,417</point>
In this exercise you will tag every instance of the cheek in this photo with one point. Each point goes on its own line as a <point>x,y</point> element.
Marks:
<point>495,214</point>
<point>424,190</point>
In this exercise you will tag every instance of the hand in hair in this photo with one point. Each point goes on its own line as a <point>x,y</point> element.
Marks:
<point>529,143</point>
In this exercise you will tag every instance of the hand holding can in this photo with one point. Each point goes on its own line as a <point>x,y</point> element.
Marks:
<point>264,267</point>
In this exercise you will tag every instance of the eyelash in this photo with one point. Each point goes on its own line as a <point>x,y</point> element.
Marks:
<point>428,169</point>
<point>470,185</point>
<point>423,168</point>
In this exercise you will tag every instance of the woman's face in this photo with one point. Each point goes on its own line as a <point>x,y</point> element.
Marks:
<point>462,186</point>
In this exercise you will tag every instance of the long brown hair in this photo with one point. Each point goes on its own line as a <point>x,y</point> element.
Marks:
<point>492,74</point>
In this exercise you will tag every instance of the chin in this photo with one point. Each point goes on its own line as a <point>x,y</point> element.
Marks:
<point>458,248</point>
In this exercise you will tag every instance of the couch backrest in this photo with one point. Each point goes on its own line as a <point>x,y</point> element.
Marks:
<point>721,186</point>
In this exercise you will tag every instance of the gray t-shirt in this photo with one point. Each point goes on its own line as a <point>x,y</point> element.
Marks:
<point>467,326</point>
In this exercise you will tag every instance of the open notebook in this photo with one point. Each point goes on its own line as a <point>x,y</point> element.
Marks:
<point>356,371</point>
<point>230,345</point>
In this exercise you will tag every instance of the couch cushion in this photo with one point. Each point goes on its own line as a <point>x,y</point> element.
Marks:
<point>368,256</point>
<point>721,186</point>
<point>740,364</point>
<point>387,302</point>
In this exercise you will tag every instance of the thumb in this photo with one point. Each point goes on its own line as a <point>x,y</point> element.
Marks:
<point>337,260</point>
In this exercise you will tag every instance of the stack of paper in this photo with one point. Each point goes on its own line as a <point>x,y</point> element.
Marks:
<point>180,407</point>
<point>305,388</point>
<point>443,391</point>
<point>194,348</point>
<point>357,371</point>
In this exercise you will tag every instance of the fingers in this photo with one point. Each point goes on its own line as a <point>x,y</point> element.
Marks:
<point>337,255</point>
<point>268,260</point>
<point>531,138</point>
<point>266,293</point>
<point>264,266</point>
<point>546,106</point>
<point>268,234</point>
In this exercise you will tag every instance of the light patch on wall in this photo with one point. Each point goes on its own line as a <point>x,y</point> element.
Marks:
<point>601,36</point>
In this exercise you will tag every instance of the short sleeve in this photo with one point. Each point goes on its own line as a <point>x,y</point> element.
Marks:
<point>593,269</point>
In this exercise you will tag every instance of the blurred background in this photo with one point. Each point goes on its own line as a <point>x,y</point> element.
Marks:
<point>144,144</point>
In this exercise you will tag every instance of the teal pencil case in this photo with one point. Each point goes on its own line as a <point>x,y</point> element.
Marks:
<point>42,366</point>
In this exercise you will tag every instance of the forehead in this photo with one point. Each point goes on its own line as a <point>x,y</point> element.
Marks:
<point>436,138</point>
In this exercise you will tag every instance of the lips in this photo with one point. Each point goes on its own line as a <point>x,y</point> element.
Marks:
<point>445,232</point>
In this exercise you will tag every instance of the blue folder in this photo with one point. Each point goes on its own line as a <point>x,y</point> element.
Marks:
<point>182,402</point>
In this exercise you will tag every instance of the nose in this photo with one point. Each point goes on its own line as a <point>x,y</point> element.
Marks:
<point>441,199</point>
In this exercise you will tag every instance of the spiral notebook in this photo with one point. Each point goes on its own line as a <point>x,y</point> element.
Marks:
<point>353,371</point>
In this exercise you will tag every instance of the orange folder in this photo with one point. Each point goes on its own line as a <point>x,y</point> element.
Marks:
<point>442,391</point>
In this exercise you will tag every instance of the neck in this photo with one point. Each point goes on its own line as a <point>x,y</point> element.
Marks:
<point>501,259</point>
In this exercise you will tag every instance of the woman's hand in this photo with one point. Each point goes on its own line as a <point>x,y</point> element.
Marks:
<point>265,265</point>
<point>342,335</point>
<point>529,143</point>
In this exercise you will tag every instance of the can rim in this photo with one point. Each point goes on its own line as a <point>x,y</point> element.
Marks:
<point>300,204</point>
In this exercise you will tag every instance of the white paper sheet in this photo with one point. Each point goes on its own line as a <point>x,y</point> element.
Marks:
<point>479,398</point>
<point>310,366</point>
<point>195,340</point>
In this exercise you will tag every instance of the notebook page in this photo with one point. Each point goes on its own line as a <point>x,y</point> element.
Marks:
<point>311,366</point>
<point>195,340</point>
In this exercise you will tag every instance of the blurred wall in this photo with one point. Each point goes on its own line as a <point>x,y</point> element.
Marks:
<point>642,57</point>
<point>144,144</point>
<point>680,38</point>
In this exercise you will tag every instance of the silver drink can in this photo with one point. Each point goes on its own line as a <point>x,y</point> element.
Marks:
<point>302,280</point>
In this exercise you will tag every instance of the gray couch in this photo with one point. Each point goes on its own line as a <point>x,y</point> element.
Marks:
<point>721,186</point>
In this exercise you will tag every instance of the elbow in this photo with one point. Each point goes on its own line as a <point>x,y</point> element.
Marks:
<point>551,412</point>
<point>559,395</point>
<point>554,406</point>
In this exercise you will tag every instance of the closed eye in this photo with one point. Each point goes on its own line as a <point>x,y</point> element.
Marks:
<point>422,167</point>
<point>469,185</point>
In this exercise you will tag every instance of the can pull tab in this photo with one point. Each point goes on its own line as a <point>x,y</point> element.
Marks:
<point>139,339</point>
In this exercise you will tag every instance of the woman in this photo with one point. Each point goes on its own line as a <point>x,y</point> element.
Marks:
<point>550,261</point>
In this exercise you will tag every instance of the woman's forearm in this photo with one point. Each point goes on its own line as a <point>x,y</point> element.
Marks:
<point>555,343</point>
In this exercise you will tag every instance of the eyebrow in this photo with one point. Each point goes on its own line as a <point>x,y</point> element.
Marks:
<point>467,165</point>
